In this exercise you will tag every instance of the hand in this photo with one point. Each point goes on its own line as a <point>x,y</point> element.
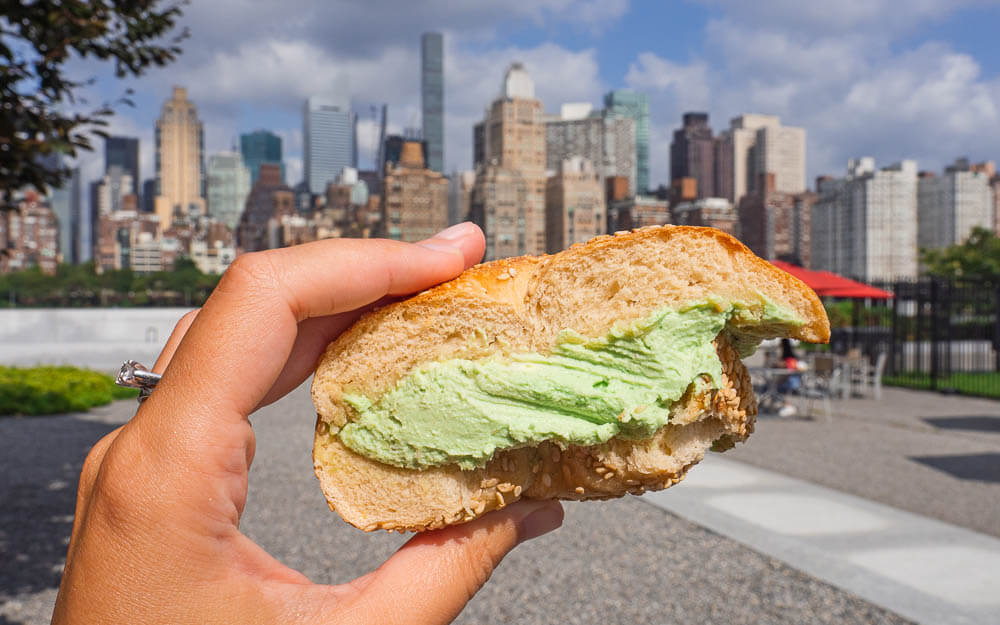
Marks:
<point>156,535</point>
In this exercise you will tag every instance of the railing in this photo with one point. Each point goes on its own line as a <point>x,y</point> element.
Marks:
<point>939,335</point>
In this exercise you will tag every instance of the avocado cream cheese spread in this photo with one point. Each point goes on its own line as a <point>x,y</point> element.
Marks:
<point>586,391</point>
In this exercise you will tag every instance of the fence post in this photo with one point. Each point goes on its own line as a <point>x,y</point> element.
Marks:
<point>996,329</point>
<point>935,334</point>
<point>946,301</point>
<point>892,365</point>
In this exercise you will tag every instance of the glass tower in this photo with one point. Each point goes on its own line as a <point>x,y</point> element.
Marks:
<point>329,131</point>
<point>228,183</point>
<point>635,105</point>
<point>259,147</point>
<point>123,152</point>
<point>432,97</point>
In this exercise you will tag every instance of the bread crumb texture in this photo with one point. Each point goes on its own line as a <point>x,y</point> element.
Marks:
<point>519,305</point>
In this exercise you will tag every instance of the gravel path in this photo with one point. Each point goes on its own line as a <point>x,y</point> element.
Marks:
<point>614,562</point>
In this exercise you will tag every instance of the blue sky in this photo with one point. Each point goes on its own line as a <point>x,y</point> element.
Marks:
<point>893,80</point>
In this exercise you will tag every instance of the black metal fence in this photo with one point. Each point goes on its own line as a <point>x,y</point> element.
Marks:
<point>937,335</point>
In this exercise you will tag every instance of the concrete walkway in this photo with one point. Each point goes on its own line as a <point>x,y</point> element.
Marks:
<point>931,454</point>
<point>922,569</point>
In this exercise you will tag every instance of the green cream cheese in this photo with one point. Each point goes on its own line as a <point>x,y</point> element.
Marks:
<point>586,391</point>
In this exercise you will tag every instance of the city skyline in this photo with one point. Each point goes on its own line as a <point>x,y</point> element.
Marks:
<point>718,58</point>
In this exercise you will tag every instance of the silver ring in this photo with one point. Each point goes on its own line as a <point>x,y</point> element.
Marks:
<point>135,375</point>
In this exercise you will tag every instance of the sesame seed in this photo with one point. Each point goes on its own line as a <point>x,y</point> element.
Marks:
<point>490,483</point>
<point>517,491</point>
<point>500,502</point>
<point>579,490</point>
<point>546,480</point>
<point>506,487</point>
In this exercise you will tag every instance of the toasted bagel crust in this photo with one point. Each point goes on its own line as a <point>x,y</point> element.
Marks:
<point>518,305</point>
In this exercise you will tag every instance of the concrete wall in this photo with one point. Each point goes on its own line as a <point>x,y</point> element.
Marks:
<point>99,338</point>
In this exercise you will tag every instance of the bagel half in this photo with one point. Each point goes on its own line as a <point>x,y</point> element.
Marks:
<point>520,305</point>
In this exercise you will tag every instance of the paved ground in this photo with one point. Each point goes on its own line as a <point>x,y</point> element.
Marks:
<point>932,572</point>
<point>615,562</point>
<point>928,453</point>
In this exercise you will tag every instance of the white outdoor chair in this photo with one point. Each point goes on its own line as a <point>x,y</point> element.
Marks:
<point>869,379</point>
<point>822,381</point>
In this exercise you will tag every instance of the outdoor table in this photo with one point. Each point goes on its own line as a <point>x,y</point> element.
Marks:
<point>772,377</point>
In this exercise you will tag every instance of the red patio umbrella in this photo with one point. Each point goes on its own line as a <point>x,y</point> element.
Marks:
<point>827,283</point>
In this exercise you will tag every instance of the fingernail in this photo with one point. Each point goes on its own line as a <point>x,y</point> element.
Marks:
<point>455,232</point>
<point>546,518</point>
<point>440,246</point>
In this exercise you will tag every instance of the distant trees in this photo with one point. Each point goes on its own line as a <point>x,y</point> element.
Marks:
<point>976,259</point>
<point>37,39</point>
<point>81,286</point>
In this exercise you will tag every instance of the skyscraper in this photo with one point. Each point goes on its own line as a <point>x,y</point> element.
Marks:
<point>513,139</point>
<point>497,204</point>
<point>755,145</point>
<point>864,225</point>
<point>269,201</point>
<point>116,185</point>
<point>574,205</point>
<point>64,202</point>
<point>149,195</point>
<point>775,224</point>
<point>258,147</point>
<point>392,149</point>
<point>180,162</point>
<point>432,97</point>
<point>330,140</point>
<point>123,152</point>
<point>692,154</point>
<point>951,205</point>
<point>635,105</point>
<point>228,185</point>
<point>605,138</point>
<point>416,197</point>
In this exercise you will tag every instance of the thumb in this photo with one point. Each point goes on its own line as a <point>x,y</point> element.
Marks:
<point>431,578</point>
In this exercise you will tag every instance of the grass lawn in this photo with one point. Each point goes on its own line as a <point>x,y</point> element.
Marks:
<point>986,384</point>
<point>53,390</point>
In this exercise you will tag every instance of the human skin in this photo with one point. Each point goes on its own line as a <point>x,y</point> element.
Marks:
<point>156,534</point>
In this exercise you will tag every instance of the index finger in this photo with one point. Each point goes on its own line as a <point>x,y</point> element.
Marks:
<point>239,341</point>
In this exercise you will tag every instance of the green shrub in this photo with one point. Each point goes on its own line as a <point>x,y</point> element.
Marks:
<point>56,389</point>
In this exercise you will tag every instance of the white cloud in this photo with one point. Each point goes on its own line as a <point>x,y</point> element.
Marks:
<point>360,29</point>
<point>243,59</point>
<point>846,73</point>
<point>473,80</point>
<point>689,83</point>
<point>819,17</point>
<point>280,75</point>
<point>842,74</point>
